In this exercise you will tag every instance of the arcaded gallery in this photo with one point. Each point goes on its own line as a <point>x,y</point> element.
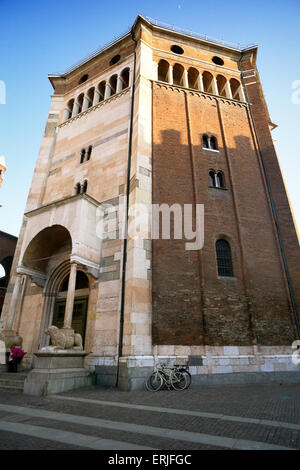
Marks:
<point>158,116</point>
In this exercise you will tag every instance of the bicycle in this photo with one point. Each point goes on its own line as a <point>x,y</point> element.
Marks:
<point>169,377</point>
<point>185,370</point>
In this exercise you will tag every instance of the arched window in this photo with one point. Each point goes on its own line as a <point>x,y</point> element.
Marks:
<point>209,142</point>
<point>224,259</point>
<point>236,89</point>
<point>113,84</point>
<point>125,78</point>
<point>208,82</point>
<point>163,71</point>
<point>221,83</point>
<point>78,188</point>
<point>80,103</point>
<point>212,179</point>
<point>90,97</point>
<point>82,282</point>
<point>220,180</point>
<point>216,179</point>
<point>205,141</point>
<point>82,155</point>
<point>213,144</point>
<point>193,78</point>
<point>101,90</point>
<point>84,186</point>
<point>69,110</point>
<point>178,72</point>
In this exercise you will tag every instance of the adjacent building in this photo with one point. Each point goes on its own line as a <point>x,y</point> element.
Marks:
<point>2,168</point>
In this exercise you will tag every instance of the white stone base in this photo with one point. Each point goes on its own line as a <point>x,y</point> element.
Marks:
<point>233,362</point>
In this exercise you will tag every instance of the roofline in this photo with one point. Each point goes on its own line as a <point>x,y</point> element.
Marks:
<point>8,235</point>
<point>190,34</point>
<point>158,26</point>
<point>89,57</point>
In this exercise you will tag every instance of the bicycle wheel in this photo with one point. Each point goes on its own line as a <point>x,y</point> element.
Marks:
<point>154,382</point>
<point>188,376</point>
<point>179,380</point>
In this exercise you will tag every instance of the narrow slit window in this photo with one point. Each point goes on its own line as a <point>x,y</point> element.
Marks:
<point>78,188</point>
<point>89,152</point>
<point>82,155</point>
<point>84,186</point>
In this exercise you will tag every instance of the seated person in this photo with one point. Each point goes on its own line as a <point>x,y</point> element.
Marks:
<point>16,356</point>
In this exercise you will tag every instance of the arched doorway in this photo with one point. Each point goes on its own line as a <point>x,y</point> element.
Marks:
<point>80,304</point>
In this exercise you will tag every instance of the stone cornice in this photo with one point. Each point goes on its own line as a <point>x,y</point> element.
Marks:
<point>201,93</point>
<point>60,202</point>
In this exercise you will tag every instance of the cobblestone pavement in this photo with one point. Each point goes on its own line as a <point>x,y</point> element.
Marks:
<point>247,417</point>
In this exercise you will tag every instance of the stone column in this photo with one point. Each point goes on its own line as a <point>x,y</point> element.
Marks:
<point>170,75</point>
<point>241,93</point>
<point>66,114</point>
<point>185,79</point>
<point>200,79</point>
<point>155,70</point>
<point>86,103</point>
<point>75,108</point>
<point>107,93</point>
<point>14,303</point>
<point>70,297</point>
<point>228,90</point>
<point>215,86</point>
<point>96,97</point>
<point>119,84</point>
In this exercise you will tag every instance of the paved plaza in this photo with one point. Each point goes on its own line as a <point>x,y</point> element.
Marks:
<point>239,417</point>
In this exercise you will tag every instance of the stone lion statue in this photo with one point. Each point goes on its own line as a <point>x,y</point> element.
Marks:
<point>64,338</point>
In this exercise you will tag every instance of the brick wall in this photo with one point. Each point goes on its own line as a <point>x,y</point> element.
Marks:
<point>192,305</point>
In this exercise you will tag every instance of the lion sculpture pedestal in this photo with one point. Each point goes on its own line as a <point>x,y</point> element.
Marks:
<point>59,367</point>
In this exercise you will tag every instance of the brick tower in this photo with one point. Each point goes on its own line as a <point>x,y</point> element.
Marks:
<point>160,116</point>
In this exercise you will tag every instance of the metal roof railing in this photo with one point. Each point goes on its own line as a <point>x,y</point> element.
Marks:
<point>204,37</point>
<point>94,53</point>
<point>159,24</point>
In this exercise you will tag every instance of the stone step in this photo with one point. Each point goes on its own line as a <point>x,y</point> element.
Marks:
<point>14,375</point>
<point>12,387</point>
<point>13,380</point>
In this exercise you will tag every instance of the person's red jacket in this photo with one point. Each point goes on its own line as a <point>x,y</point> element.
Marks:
<point>16,352</point>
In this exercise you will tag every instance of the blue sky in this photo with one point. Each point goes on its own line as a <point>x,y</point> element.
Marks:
<point>43,37</point>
